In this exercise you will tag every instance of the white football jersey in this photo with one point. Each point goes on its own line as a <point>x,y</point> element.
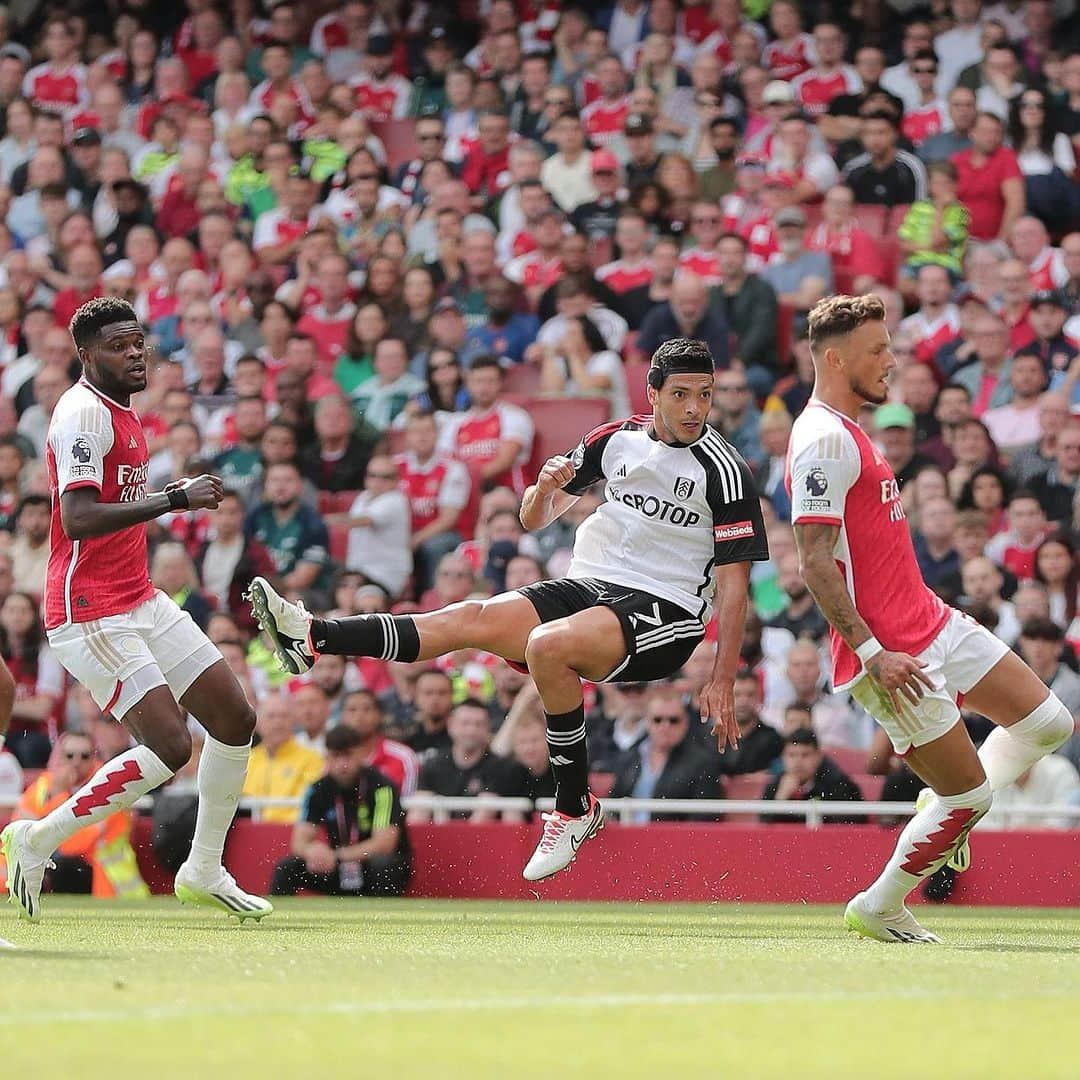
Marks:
<point>672,513</point>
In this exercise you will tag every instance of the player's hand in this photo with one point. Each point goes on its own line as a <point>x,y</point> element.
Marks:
<point>203,492</point>
<point>718,705</point>
<point>900,676</point>
<point>556,473</point>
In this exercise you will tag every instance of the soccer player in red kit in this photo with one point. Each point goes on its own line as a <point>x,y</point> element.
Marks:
<point>900,651</point>
<point>141,657</point>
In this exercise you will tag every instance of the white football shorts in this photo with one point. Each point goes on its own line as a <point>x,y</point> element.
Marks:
<point>120,658</point>
<point>955,660</point>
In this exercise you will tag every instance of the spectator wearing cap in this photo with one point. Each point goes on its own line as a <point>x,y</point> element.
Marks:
<point>642,156</point>
<point>882,174</point>
<point>1016,425</point>
<point>894,425</point>
<point>567,174</point>
<point>597,218</point>
<point>798,276</point>
<point>1057,351</point>
<point>686,314</point>
<point>810,774</point>
<point>1056,488</point>
<point>86,154</point>
<point>366,849</point>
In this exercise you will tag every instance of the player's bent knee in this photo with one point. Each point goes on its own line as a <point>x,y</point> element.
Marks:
<point>1048,725</point>
<point>547,647</point>
<point>172,746</point>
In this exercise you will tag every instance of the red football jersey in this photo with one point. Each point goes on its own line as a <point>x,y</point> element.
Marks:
<point>436,485</point>
<point>836,476</point>
<point>95,442</point>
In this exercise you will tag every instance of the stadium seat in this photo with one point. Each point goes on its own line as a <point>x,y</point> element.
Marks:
<point>851,761</point>
<point>636,372</point>
<point>891,253</point>
<point>343,500</point>
<point>561,422</point>
<point>844,279</point>
<point>896,218</point>
<point>785,320</point>
<point>339,542</point>
<point>746,786</point>
<point>399,139</point>
<point>870,786</point>
<point>325,502</point>
<point>872,218</point>
<point>522,379</point>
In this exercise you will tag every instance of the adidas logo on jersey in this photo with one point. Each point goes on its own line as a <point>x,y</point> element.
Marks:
<point>133,443</point>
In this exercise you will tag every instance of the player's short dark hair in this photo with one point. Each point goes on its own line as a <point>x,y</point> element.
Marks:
<point>802,737</point>
<point>87,322</point>
<point>841,315</point>
<point>678,356</point>
<point>1042,630</point>
<point>342,738</point>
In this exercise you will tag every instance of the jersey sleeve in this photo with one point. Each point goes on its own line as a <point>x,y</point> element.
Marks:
<point>823,468</point>
<point>313,807</point>
<point>386,808</point>
<point>738,526</point>
<point>79,441</point>
<point>588,459</point>
<point>455,488</point>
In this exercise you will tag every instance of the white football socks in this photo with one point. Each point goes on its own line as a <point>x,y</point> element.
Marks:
<point>222,769</point>
<point>116,785</point>
<point>925,843</point>
<point>1009,752</point>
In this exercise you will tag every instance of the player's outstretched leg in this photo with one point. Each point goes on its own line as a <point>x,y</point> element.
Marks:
<point>589,644</point>
<point>28,845</point>
<point>217,701</point>
<point>949,764</point>
<point>500,625</point>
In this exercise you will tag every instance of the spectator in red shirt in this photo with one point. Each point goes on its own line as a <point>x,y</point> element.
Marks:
<point>857,259</point>
<point>989,181</point>
<point>329,322</point>
<point>84,272</point>
<point>361,711</point>
<point>179,212</point>
<point>1015,306</point>
<point>486,170</point>
<point>1015,549</point>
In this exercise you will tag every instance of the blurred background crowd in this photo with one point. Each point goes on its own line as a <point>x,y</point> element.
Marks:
<point>393,255</point>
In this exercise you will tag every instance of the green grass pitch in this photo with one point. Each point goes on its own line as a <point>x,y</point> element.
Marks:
<point>401,989</point>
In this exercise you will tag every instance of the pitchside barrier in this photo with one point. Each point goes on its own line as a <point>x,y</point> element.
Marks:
<point>731,861</point>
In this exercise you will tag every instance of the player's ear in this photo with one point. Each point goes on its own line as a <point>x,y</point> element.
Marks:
<point>651,394</point>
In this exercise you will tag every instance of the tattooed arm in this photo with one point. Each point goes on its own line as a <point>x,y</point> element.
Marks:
<point>898,673</point>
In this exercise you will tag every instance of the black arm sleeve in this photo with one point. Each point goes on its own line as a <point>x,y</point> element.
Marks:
<point>588,458</point>
<point>738,528</point>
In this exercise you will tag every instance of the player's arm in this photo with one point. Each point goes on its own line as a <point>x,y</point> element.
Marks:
<point>85,516</point>
<point>382,842</point>
<point>545,500</point>
<point>898,673</point>
<point>718,694</point>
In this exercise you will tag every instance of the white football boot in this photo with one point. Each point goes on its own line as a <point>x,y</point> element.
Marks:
<point>562,837</point>
<point>892,927</point>
<point>25,870</point>
<point>220,892</point>
<point>285,623</point>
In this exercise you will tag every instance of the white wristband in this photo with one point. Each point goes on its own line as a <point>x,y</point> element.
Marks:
<point>868,650</point>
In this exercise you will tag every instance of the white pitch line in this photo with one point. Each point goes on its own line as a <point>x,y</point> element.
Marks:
<point>510,1004</point>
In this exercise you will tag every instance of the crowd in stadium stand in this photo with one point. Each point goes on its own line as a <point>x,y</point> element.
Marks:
<point>391,255</point>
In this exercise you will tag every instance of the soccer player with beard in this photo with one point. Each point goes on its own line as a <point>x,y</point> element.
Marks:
<point>681,524</point>
<point>140,656</point>
<point>901,652</point>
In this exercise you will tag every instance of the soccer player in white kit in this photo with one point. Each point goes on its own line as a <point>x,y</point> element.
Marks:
<point>896,647</point>
<point>140,656</point>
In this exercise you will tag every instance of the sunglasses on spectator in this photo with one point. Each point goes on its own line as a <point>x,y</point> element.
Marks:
<point>81,755</point>
<point>670,718</point>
